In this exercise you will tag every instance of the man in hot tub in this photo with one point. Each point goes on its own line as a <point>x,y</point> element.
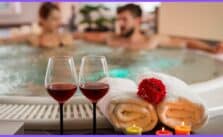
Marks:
<point>50,37</point>
<point>128,34</point>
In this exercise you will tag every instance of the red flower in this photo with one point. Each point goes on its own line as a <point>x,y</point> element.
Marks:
<point>152,90</point>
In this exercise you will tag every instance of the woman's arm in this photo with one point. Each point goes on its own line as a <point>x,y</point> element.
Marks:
<point>15,39</point>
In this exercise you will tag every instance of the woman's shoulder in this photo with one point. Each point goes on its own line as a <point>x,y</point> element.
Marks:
<point>66,38</point>
<point>33,39</point>
<point>63,35</point>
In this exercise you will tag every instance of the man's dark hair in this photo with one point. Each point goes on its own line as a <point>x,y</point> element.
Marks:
<point>134,9</point>
<point>46,8</point>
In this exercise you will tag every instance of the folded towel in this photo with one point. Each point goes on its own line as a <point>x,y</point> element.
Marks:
<point>123,108</point>
<point>180,105</point>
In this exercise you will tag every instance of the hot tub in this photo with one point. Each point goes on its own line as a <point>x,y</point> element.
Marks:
<point>22,69</point>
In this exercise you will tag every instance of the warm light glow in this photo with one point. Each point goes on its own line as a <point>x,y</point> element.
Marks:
<point>182,129</point>
<point>133,129</point>
<point>182,124</point>
<point>163,129</point>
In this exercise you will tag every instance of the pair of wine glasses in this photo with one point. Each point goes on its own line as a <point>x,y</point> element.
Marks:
<point>61,81</point>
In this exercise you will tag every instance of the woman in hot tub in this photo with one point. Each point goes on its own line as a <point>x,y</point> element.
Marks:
<point>50,37</point>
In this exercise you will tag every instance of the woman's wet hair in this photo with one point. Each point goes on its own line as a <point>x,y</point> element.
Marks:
<point>46,8</point>
<point>134,9</point>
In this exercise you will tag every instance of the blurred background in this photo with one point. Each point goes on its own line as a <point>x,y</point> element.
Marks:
<point>198,20</point>
<point>74,15</point>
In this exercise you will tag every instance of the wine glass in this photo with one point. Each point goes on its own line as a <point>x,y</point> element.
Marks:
<point>60,81</point>
<point>92,70</point>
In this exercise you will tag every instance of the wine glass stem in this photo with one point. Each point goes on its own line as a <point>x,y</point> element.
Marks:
<point>61,118</point>
<point>94,118</point>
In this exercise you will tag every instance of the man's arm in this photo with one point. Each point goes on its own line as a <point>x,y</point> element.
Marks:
<point>219,47</point>
<point>197,44</point>
<point>96,37</point>
<point>166,41</point>
<point>113,40</point>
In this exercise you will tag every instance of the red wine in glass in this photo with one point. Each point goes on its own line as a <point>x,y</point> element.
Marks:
<point>60,81</point>
<point>89,82</point>
<point>61,91</point>
<point>94,91</point>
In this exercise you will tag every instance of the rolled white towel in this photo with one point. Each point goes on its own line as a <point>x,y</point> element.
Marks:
<point>123,108</point>
<point>180,104</point>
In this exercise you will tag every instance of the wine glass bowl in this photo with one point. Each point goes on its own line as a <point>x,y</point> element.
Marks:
<point>61,92</point>
<point>94,91</point>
